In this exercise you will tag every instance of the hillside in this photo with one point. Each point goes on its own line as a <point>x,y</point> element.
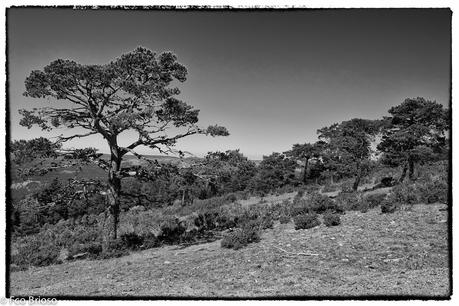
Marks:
<point>404,253</point>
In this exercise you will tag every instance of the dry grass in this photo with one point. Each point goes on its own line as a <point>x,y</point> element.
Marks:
<point>405,253</point>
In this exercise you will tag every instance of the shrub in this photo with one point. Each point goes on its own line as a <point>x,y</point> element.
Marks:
<point>387,181</point>
<point>388,207</point>
<point>349,201</point>
<point>171,230</point>
<point>300,208</point>
<point>331,219</point>
<point>240,237</point>
<point>150,241</point>
<point>320,203</point>
<point>329,188</point>
<point>132,241</point>
<point>113,249</point>
<point>347,187</point>
<point>36,250</point>
<point>231,197</point>
<point>433,191</point>
<point>284,219</point>
<point>259,215</point>
<point>374,200</point>
<point>404,194</point>
<point>364,206</point>
<point>306,221</point>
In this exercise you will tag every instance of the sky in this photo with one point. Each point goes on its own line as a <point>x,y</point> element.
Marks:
<point>272,78</point>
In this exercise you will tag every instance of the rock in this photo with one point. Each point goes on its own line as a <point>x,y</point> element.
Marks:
<point>80,255</point>
<point>167,262</point>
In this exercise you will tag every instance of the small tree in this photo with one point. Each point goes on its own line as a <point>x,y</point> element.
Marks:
<point>274,171</point>
<point>415,132</point>
<point>348,146</point>
<point>131,93</point>
<point>305,152</point>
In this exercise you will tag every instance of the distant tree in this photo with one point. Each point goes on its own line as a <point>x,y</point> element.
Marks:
<point>131,93</point>
<point>348,146</point>
<point>274,171</point>
<point>305,152</point>
<point>26,150</point>
<point>229,171</point>
<point>415,132</point>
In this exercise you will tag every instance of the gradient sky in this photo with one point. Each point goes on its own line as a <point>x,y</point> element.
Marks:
<point>271,77</point>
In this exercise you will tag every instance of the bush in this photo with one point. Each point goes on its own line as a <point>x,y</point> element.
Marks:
<point>349,201</point>
<point>433,191</point>
<point>404,194</point>
<point>240,237</point>
<point>171,231</point>
<point>113,249</point>
<point>320,203</point>
<point>300,207</point>
<point>329,188</point>
<point>231,197</point>
<point>306,221</point>
<point>388,207</point>
<point>284,219</point>
<point>374,200</point>
<point>150,241</point>
<point>132,241</point>
<point>331,219</point>
<point>258,215</point>
<point>36,250</point>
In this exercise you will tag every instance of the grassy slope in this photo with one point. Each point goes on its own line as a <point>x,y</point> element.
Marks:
<point>405,253</point>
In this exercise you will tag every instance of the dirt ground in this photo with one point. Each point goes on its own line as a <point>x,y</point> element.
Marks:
<point>405,253</point>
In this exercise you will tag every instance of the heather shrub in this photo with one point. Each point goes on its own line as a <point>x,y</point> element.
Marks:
<point>320,203</point>
<point>132,241</point>
<point>404,194</point>
<point>231,197</point>
<point>240,237</point>
<point>113,249</point>
<point>330,188</point>
<point>35,250</point>
<point>256,214</point>
<point>306,221</point>
<point>171,230</point>
<point>374,200</point>
<point>300,207</point>
<point>388,206</point>
<point>346,187</point>
<point>349,201</point>
<point>331,219</point>
<point>284,219</point>
<point>150,241</point>
<point>433,191</point>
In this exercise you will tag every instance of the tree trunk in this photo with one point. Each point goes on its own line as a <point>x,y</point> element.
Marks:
<point>411,169</point>
<point>305,174</point>
<point>183,198</point>
<point>114,188</point>
<point>357,181</point>
<point>402,177</point>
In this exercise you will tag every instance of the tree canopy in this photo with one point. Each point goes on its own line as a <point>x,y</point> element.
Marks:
<point>135,92</point>
<point>415,132</point>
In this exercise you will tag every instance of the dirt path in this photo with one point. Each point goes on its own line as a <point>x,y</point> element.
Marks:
<point>405,253</point>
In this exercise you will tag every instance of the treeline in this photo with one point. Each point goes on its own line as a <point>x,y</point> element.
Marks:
<point>414,133</point>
